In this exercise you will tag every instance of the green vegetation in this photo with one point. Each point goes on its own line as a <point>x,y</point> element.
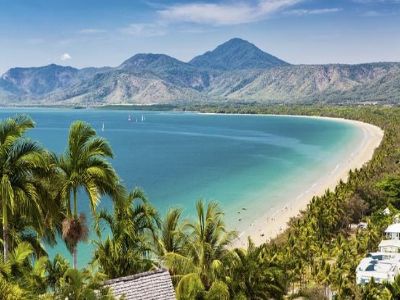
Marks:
<point>84,165</point>
<point>316,256</point>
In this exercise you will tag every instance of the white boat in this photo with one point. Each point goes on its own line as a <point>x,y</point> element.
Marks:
<point>129,118</point>
<point>142,118</point>
<point>102,128</point>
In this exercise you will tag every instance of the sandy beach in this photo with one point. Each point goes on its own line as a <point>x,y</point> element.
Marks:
<point>274,222</point>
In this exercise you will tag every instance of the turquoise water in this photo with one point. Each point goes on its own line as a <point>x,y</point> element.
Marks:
<point>177,158</point>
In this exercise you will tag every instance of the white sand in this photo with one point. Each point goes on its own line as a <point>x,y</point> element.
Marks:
<point>275,222</point>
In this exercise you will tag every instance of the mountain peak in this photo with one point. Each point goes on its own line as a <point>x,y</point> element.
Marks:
<point>237,41</point>
<point>149,61</point>
<point>237,54</point>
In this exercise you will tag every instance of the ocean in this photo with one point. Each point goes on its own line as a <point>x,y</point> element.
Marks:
<point>247,163</point>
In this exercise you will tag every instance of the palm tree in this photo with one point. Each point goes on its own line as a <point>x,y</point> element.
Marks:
<point>375,291</point>
<point>253,276</point>
<point>83,285</point>
<point>171,237</point>
<point>394,287</point>
<point>22,161</point>
<point>199,269</point>
<point>11,291</point>
<point>84,165</point>
<point>133,226</point>
<point>55,271</point>
<point>20,273</point>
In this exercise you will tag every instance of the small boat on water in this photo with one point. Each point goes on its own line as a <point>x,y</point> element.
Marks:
<point>143,118</point>
<point>129,118</point>
<point>102,128</point>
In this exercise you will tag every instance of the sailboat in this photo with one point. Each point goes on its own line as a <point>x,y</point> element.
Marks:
<point>102,128</point>
<point>142,118</point>
<point>129,118</point>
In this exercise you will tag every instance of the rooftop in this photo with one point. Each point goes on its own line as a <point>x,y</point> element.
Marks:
<point>152,285</point>
<point>390,243</point>
<point>393,228</point>
<point>380,262</point>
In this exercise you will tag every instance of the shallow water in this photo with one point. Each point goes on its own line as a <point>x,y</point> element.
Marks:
<point>241,161</point>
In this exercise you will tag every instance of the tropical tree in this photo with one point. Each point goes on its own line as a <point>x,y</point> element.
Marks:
<point>10,291</point>
<point>23,166</point>
<point>84,165</point>
<point>171,237</point>
<point>252,276</point>
<point>375,291</point>
<point>56,269</point>
<point>82,285</point>
<point>199,270</point>
<point>133,225</point>
<point>21,275</point>
<point>394,287</point>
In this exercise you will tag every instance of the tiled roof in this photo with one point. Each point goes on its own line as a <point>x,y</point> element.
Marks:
<point>152,285</point>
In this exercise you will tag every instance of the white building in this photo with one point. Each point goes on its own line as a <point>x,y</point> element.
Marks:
<point>393,231</point>
<point>385,264</point>
<point>386,211</point>
<point>381,266</point>
<point>390,246</point>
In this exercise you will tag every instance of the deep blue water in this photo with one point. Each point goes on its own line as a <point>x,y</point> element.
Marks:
<point>177,158</point>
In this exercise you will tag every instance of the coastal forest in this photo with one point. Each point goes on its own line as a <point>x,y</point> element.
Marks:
<point>315,258</point>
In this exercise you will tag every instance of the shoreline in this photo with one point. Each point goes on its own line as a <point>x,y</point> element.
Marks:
<point>274,221</point>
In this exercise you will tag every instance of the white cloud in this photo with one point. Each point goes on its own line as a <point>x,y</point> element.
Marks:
<point>91,31</point>
<point>65,57</point>
<point>372,13</point>
<point>375,13</point>
<point>224,13</point>
<point>144,29</point>
<point>303,12</point>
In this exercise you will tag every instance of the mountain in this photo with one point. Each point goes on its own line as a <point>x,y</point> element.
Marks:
<point>237,54</point>
<point>236,71</point>
<point>152,62</point>
<point>167,68</point>
<point>313,83</point>
<point>37,81</point>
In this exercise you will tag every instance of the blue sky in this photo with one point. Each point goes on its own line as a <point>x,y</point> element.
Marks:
<point>105,32</point>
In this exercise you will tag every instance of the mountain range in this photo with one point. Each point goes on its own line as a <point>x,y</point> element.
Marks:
<point>236,71</point>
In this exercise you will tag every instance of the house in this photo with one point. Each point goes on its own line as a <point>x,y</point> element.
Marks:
<point>385,264</point>
<point>152,285</point>
<point>389,246</point>
<point>380,266</point>
<point>393,231</point>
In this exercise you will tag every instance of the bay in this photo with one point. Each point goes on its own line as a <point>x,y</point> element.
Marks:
<point>246,162</point>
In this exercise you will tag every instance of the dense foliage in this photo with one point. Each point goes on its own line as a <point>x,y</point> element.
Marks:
<point>314,259</point>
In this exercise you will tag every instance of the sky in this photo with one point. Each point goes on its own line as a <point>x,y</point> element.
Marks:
<point>84,33</point>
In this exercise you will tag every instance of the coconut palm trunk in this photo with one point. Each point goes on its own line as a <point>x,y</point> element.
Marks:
<point>75,217</point>
<point>5,231</point>
<point>75,256</point>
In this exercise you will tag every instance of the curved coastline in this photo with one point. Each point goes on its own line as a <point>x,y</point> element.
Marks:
<point>273,222</point>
